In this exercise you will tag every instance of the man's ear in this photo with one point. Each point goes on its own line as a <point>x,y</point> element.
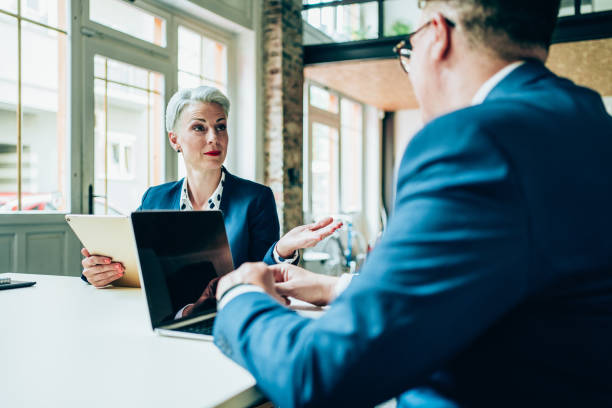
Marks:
<point>442,40</point>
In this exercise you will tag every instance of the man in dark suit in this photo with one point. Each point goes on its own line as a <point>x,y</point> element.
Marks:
<point>492,285</point>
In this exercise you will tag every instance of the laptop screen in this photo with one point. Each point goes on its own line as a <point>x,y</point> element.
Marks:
<point>181,253</point>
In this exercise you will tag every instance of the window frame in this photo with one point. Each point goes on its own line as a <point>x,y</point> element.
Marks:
<point>126,54</point>
<point>226,38</point>
<point>91,28</point>
<point>313,114</point>
<point>81,33</point>
<point>130,50</point>
<point>20,18</point>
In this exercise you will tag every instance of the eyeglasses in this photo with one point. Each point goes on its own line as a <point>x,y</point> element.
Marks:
<point>403,49</point>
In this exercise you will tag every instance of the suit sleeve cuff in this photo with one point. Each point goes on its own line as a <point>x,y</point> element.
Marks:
<point>179,314</point>
<point>343,281</point>
<point>236,291</point>
<point>278,259</point>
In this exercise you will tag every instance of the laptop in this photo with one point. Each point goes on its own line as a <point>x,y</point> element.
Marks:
<point>179,254</point>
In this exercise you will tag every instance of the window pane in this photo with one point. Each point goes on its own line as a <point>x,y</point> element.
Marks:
<point>352,156</point>
<point>129,138</point>
<point>202,58</point>
<point>186,80</point>
<point>214,61</point>
<point>9,5</point>
<point>190,51</point>
<point>43,121</point>
<point>324,171</point>
<point>567,8</point>
<point>201,61</point>
<point>49,12</point>
<point>601,5</point>
<point>45,126</point>
<point>217,85</point>
<point>8,114</point>
<point>127,74</point>
<point>345,23</point>
<point>129,19</point>
<point>323,99</point>
<point>401,17</point>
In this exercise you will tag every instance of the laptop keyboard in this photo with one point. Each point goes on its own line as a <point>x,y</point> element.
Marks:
<point>203,327</point>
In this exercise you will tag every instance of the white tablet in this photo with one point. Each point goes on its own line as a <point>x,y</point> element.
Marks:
<point>109,235</point>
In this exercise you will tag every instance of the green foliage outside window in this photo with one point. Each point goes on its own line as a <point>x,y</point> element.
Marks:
<point>399,28</point>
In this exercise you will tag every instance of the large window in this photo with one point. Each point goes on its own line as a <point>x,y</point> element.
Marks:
<point>333,154</point>
<point>351,153</point>
<point>570,8</point>
<point>33,105</point>
<point>129,134</point>
<point>202,60</point>
<point>110,144</point>
<point>123,17</point>
<point>129,140</point>
<point>350,22</point>
<point>355,20</point>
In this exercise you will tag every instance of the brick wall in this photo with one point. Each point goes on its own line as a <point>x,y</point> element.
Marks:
<point>283,114</point>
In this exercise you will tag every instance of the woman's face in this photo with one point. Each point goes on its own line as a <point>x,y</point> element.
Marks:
<point>201,135</point>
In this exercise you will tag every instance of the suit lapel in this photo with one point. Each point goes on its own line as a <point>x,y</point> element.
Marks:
<point>176,198</point>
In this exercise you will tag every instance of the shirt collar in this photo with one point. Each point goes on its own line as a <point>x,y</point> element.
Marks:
<point>214,201</point>
<point>492,82</point>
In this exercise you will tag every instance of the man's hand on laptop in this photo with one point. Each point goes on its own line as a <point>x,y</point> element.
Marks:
<point>258,274</point>
<point>100,270</point>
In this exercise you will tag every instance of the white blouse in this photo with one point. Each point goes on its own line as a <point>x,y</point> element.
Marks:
<point>214,201</point>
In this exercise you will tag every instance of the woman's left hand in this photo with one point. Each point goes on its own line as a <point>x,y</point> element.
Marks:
<point>306,236</point>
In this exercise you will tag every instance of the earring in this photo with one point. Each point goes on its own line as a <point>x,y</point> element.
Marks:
<point>178,150</point>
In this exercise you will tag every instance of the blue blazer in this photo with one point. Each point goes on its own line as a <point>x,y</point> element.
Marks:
<point>492,285</point>
<point>249,211</point>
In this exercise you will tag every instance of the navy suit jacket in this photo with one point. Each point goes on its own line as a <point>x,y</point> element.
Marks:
<point>249,212</point>
<point>492,285</point>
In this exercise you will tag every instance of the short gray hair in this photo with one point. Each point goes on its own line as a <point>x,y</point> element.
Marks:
<point>185,97</point>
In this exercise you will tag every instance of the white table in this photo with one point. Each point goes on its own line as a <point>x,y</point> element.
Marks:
<point>64,343</point>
